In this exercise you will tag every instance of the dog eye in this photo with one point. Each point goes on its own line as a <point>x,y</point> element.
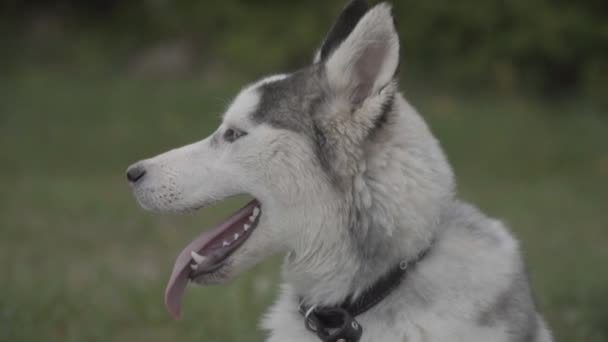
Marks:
<point>231,134</point>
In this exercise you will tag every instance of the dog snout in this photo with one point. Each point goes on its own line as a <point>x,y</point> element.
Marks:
<point>135,173</point>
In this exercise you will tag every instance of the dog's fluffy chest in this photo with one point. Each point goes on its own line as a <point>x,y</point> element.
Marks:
<point>470,288</point>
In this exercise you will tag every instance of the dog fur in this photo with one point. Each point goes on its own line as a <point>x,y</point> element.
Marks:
<point>352,182</point>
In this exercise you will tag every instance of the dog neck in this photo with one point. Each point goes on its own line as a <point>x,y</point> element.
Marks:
<point>353,237</point>
<point>338,267</point>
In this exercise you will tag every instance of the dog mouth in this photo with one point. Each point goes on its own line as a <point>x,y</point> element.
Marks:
<point>209,251</point>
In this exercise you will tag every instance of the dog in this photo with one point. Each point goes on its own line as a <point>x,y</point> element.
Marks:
<point>350,185</point>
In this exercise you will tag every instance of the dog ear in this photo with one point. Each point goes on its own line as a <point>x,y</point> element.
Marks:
<point>346,22</point>
<point>367,60</point>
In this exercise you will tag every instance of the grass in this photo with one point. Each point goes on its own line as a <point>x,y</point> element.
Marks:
<point>81,262</point>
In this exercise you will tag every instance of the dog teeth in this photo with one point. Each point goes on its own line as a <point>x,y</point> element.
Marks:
<point>194,267</point>
<point>246,227</point>
<point>197,257</point>
<point>254,215</point>
<point>236,236</point>
<point>225,243</point>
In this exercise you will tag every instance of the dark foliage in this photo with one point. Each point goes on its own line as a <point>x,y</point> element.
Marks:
<point>553,46</point>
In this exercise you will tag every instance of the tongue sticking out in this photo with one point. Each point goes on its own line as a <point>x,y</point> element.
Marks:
<point>204,245</point>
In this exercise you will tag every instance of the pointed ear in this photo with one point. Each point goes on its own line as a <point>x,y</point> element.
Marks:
<point>367,60</point>
<point>346,22</point>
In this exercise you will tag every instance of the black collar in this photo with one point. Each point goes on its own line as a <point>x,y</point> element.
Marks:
<point>337,323</point>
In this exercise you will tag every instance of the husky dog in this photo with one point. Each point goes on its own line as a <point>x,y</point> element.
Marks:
<point>350,185</point>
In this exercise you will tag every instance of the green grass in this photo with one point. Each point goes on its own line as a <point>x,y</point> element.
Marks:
<point>81,262</point>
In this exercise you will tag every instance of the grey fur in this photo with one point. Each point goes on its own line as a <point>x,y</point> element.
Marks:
<point>352,182</point>
<point>289,103</point>
<point>293,103</point>
<point>301,103</point>
<point>515,308</point>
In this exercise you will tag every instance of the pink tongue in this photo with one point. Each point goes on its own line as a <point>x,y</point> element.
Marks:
<point>181,270</point>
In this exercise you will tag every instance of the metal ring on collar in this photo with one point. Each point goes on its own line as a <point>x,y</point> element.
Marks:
<point>310,310</point>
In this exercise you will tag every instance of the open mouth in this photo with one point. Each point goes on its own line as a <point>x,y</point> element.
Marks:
<point>207,253</point>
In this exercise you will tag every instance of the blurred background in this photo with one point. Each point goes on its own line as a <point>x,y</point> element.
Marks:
<point>515,90</point>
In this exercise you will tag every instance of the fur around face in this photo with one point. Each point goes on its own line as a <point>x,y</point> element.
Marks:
<point>352,182</point>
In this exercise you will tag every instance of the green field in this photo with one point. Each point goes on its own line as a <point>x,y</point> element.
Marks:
<point>81,262</point>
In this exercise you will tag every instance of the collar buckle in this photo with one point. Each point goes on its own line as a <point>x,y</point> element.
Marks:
<point>331,324</point>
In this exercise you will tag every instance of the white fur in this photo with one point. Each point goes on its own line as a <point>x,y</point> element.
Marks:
<point>398,181</point>
<point>444,291</point>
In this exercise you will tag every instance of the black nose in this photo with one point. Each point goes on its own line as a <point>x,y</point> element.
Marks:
<point>135,173</point>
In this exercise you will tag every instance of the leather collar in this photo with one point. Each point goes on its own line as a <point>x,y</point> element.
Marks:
<point>337,323</point>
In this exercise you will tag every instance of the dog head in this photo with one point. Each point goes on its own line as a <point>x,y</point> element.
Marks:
<point>303,145</point>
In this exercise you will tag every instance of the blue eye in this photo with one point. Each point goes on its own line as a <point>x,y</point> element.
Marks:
<point>231,134</point>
